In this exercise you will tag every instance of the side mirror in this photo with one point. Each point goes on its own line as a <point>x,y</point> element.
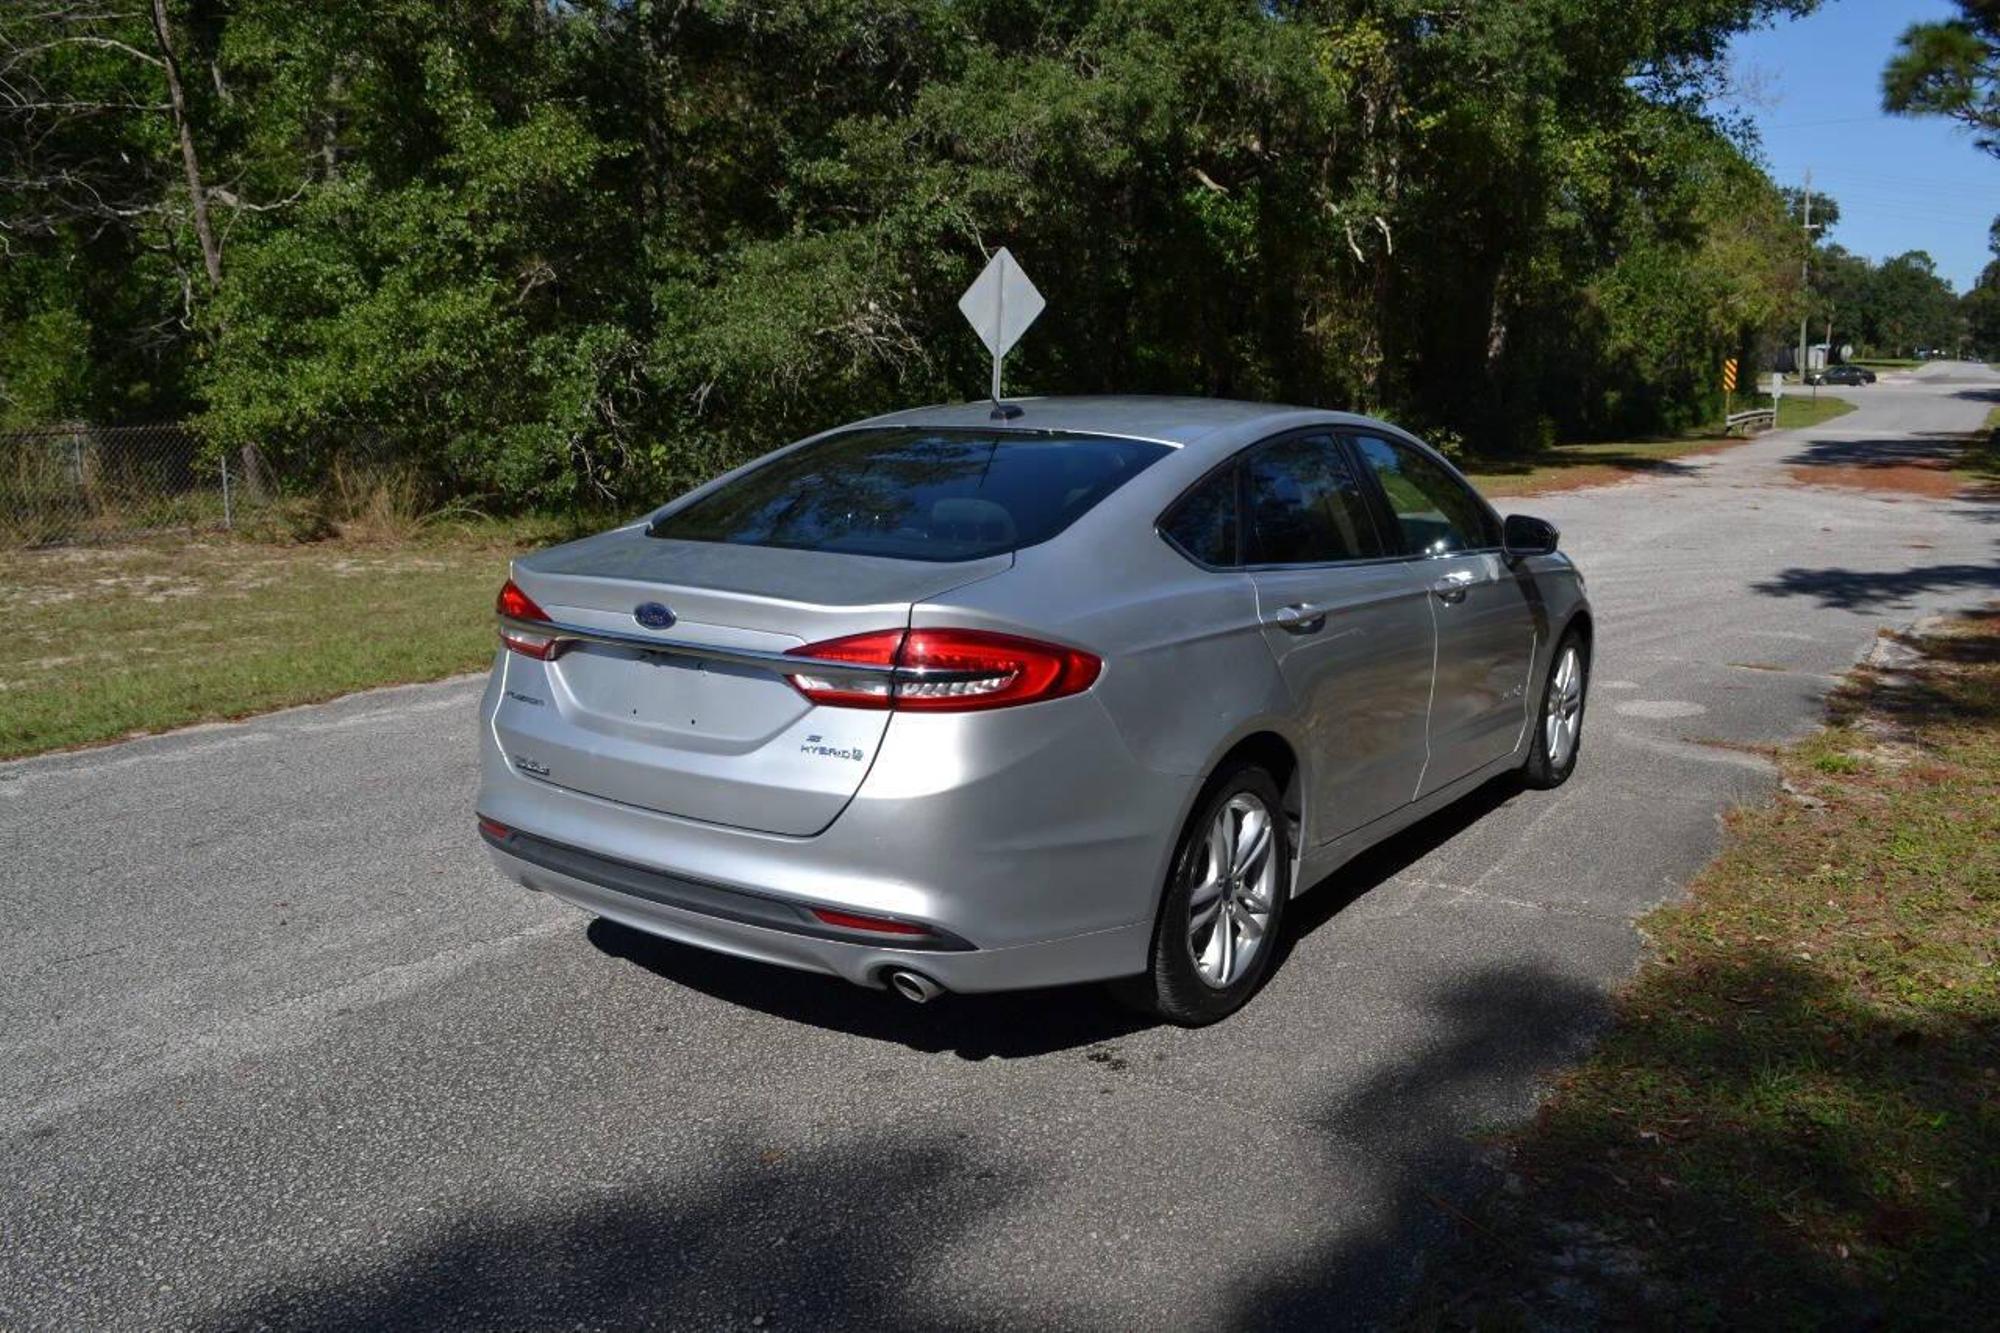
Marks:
<point>1521,535</point>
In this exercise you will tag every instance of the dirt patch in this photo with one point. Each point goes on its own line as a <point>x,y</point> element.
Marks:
<point>1934,480</point>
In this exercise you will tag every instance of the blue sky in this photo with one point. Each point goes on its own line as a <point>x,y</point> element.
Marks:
<point>1813,86</point>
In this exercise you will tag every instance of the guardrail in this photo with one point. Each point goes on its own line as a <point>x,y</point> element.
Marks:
<point>1765,418</point>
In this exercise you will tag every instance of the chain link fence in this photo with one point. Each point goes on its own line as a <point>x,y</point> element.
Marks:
<point>68,484</point>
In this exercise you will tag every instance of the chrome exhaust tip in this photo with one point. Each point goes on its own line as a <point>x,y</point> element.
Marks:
<point>914,986</point>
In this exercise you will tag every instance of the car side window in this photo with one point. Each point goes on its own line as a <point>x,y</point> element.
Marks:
<point>1437,513</point>
<point>1203,523</point>
<point>1302,506</point>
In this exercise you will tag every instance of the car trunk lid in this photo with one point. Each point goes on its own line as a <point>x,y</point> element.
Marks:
<point>701,727</point>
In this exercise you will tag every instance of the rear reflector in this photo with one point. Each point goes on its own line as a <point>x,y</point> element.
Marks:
<point>513,604</point>
<point>877,924</point>
<point>946,671</point>
<point>493,828</point>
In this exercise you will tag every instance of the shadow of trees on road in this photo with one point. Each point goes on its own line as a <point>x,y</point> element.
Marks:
<point>831,1239</point>
<point>1507,1026</point>
<point>1766,1114</point>
<point>1858,589</point>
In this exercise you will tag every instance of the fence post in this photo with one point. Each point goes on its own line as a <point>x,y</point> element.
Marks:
<point>227,520</point>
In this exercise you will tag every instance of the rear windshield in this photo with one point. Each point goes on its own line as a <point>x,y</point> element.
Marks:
<point>915,494</point>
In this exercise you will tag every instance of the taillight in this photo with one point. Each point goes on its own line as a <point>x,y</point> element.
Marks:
<point>514,605</point>
<point>876,650</point>
<point>945,671</point>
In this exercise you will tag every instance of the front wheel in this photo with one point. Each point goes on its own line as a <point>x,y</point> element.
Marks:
<point>1558,734</point>
<point>1224,902</point>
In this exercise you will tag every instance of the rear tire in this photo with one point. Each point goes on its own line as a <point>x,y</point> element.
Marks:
<point>1558,737</point>
<point>1216,935</point>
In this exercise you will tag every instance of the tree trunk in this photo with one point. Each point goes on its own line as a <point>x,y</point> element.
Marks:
<point>211,252</point>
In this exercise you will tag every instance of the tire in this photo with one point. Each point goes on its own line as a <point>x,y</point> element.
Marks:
<point>1552,750</point>
<point>1197,975</point>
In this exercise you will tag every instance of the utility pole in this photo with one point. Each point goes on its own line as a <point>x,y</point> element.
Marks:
<point>1805,284</point>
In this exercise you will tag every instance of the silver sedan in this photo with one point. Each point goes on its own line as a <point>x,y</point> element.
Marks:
<point>974,698</point>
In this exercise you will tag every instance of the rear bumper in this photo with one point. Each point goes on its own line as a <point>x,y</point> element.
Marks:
<point>1060,962</point>
<point>1031,839</point>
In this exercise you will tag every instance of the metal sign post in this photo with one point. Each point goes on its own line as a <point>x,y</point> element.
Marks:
<point>1000,305</point>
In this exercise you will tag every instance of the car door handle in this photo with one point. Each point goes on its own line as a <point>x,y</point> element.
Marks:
<point>1451,588</point>
<point>1298,618</point>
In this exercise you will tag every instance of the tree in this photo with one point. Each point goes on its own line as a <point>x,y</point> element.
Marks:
<point>1951,69</point>
<point>1980,309</point>
<point>596,250</point>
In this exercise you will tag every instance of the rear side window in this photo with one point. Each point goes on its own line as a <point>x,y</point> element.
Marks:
<point>1303,507</point>
<point>1438,513</point>
<point>916,494</point>
<point>1203,524</point>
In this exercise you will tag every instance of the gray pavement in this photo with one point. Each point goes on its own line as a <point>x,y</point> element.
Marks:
<point>278,1049</point>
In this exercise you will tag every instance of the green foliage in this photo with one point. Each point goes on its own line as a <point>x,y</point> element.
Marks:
<point>594,251</point>
<point>1951,69</point>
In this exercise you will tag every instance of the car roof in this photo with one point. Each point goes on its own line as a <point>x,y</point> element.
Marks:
<point>1170,420</point>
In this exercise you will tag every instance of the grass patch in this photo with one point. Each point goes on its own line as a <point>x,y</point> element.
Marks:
<point>106,642</point>
<point>1804,408</point>
<point>1886,362</point>
<point>1795,1118</point>
<point>1980,462</point>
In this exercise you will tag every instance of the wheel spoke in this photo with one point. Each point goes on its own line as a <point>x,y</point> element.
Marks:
<point>1253,839</point>
<point>1202,916</point>
<point>1219,847</point>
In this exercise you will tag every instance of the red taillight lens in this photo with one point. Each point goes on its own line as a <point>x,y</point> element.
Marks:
<point>880,925</point>
<point>878,650</point>
<point>947,671</point>
<point>513,604</point>
<point>988,671</point>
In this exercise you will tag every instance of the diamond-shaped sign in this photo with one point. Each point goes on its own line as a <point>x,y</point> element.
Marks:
<point>1000,305</point>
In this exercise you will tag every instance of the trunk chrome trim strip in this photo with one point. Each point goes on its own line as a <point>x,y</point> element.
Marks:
<point>786,664</point>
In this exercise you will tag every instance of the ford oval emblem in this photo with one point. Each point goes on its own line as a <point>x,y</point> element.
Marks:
<point>652,615</point>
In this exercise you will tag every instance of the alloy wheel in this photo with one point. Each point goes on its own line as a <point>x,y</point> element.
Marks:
<point>1229,909</point>
<point>1564,716</point>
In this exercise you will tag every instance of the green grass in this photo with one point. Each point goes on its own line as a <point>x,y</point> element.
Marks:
<point>105,642</point>
<point>1980,462</point>
<point>1886,362</point>
<point>1794,1120</point>
<point>1803,408</point>
<point>1570,466</point>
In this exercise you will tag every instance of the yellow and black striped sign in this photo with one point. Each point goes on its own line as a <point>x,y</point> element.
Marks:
<point>1729,375</point>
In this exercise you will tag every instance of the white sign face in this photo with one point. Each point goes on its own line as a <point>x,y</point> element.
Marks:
<point>1001,303</point>
<point>1777,385</point>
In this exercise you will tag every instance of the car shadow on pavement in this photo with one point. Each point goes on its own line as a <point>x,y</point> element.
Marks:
<point>1009,1025</point>
<point>1013,1024</point>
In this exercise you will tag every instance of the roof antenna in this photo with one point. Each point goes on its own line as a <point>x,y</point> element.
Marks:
<point>1000,305</point>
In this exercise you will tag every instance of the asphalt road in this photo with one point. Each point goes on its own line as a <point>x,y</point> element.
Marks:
<point>278,1048</point>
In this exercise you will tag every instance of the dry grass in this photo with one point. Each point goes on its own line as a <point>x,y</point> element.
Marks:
<point>106,642</point>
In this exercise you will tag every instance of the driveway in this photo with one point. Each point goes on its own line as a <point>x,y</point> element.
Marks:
<point>278,1048</point>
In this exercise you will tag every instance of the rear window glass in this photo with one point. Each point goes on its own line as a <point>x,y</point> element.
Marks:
<point>915,494</point>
